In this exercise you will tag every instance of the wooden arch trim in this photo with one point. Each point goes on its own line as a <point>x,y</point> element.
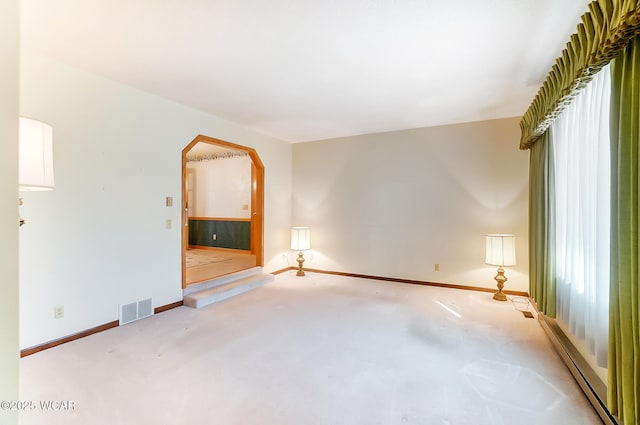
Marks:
<point>257,198</point>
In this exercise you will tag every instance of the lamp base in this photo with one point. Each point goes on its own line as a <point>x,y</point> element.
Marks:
<point>499,296</point>
<point>300,261</point>
<point>500,279</point>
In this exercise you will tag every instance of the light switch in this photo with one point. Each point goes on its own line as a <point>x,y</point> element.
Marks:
<point>168,223</point>
<point>58,312</point>
<point>169,201</point>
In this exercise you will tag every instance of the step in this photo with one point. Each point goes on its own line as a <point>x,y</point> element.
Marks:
<point>226,290</point>
<point>222,280</point>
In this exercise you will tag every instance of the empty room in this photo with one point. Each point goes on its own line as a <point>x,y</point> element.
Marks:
<point>304,212</point>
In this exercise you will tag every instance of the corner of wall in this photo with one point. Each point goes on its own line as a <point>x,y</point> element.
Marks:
<point>9,101</point>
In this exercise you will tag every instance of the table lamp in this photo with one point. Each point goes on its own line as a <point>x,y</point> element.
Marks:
<point>501,252</point>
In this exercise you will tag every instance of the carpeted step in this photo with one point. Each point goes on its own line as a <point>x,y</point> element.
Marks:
<point>224,288</point>
<point>222,280</point>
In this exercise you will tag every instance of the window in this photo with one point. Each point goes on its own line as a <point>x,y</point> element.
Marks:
<point>581,148</point>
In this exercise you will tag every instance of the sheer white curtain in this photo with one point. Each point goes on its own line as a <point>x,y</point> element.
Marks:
<point>582,173</point>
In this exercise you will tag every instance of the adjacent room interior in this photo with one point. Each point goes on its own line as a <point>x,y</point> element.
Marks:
<point>218,207</point>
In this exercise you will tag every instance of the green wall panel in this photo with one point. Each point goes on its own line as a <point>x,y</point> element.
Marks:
<point>229,234</point>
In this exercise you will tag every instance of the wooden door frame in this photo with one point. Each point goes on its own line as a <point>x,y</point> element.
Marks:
<point>257,199</point>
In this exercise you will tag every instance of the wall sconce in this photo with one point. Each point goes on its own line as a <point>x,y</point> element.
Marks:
<point>35,157</point>
<point>501,251</point>
<point>300,241</point>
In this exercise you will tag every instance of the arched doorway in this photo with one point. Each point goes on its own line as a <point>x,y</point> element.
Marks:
<point>257,198</point>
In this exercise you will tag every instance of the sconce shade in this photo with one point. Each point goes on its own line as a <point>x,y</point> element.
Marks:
<point>501,250</point>
<point>300,238</point>
<point>35,155</point>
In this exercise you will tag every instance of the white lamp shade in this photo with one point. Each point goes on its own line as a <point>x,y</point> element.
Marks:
<point>501,250</point>
<point>300,238</point>
<point>35,155</point>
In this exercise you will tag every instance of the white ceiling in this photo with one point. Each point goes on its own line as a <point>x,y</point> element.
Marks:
<point>303,70</point>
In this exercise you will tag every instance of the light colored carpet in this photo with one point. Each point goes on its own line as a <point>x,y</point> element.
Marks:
<point>311,350</point>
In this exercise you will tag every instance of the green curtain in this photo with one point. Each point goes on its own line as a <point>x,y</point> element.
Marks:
<point>624,330</point>
<point>605,30</point>
<point>542,280</point>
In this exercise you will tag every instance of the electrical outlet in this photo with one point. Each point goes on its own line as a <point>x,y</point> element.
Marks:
<point>58,312</point>
<point>215,237</point>
<point>436,267</point>
<point>168,224</point>
<point>245,207</point>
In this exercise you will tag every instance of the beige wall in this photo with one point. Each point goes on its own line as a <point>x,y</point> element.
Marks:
<point>394,204</point>
<point>99,239</point>
<point>221,187</point>
<point>9,101</point>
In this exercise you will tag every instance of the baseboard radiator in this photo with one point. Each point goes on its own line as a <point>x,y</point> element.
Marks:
<point>591,385</point>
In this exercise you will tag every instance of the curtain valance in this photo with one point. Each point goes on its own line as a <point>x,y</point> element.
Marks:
<point>605,30</point>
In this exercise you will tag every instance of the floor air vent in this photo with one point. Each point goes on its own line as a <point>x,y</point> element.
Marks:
<point>134,311</point>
